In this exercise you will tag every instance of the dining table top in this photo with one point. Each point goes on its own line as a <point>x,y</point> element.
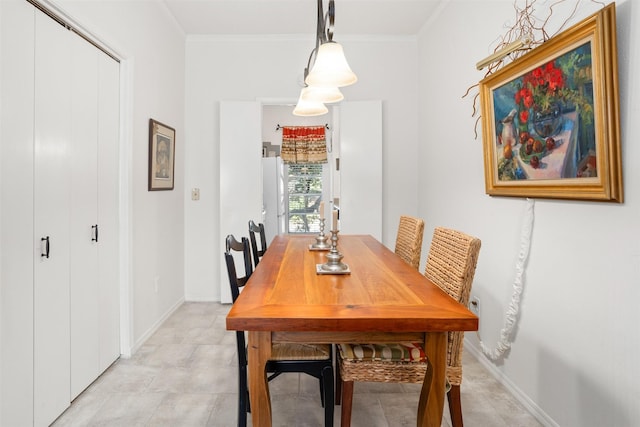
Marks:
<point>380,294</point>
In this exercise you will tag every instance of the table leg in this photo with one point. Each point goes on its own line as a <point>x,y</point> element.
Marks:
<point>430,411</point>
<point>258,353</point>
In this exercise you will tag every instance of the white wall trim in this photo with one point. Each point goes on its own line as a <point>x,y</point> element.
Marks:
<point>296,37</point>
<point>144,337</point>
<point>200,298</point>
<point>520,396</point>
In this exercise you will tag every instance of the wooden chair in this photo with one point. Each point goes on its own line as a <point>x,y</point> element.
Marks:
<point>312,359</point>
<point>451,265</point>
<point>409,240</point>
<point>253,230</point>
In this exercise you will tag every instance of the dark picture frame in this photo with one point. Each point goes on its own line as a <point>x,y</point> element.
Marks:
<point>162,151</point>
<point>550,118</point>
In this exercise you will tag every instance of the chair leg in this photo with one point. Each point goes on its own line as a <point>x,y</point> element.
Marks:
<point>347,400</point>
<point>338,384</point>
<point>322,388</point>
<point>455,407</point>
<point>327,386</point>
<point>243,397</point>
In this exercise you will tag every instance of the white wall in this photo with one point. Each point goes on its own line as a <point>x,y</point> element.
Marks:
<point>262,68</point>
<point>574,356</point>
<point>153,46</point>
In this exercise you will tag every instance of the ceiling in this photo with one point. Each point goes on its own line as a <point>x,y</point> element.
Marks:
<point>280,17</point>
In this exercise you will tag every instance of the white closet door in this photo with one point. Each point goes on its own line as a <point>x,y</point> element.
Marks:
<point>16,199</point>
<point>83,162</point>
<point>361,168</point>
<point>94,215</point>
<point>51,187</point>
<point>240,175</point>
<point>108,211</point>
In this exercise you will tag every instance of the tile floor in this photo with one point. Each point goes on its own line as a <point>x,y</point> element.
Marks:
<point>185,375</point>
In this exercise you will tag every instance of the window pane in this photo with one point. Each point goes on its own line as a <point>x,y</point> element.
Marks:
<point>304,187</point>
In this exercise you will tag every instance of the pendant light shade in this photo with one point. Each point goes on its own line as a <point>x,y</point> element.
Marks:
<point>308,107</point>
<point>327,69</point>
<point>325,95</point>
<point>330,68</point>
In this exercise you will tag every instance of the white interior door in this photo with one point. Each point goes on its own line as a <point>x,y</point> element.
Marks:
<point>51,115</point>
<point>240,175</point>
<point>108,210</point>
<point>51,214</point>
<point>361,168</point>
<point>83,158</point>
<point>16,222</point>
<point>94,259</point>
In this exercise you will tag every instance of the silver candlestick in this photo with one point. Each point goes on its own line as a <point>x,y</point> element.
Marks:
<point>334,264</point>
<point>321,240</point>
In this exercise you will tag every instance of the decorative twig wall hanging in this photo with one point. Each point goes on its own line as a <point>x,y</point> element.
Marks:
<point>526,33</point>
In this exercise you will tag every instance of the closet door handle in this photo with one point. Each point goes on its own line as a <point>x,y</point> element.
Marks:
<point>95,233</point>
<point>46,246</point>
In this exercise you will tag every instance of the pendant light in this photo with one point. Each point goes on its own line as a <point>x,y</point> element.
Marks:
<point>308,107</point>
<point>322,94</point>
<point>331,68</point>
<point>329,72</point>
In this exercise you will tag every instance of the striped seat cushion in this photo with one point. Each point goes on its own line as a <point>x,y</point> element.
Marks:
<point>386,352</point>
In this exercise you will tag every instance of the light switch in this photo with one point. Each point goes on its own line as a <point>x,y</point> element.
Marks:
<point>195,194</point>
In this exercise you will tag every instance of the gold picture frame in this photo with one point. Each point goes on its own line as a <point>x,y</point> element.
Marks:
<point>550,119</point>
<point>162,151</point>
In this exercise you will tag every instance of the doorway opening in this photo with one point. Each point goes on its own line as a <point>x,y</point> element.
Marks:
<point>292,193</point>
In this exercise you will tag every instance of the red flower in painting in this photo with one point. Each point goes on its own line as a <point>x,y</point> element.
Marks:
<point>524,97</point>
<point>524,116</point>
<point>543,85</point>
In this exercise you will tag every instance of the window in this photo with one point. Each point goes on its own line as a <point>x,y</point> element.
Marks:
<point>304,194</point>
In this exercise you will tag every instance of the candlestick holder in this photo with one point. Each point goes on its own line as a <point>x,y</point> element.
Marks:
<point>321,240</point>
<point>334,264</point>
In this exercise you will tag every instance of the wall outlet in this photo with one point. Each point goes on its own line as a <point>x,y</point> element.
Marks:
<point>195,194</point>
<point>474,306</point>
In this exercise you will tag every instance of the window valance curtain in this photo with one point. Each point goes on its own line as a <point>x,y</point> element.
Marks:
<point>304,144</point>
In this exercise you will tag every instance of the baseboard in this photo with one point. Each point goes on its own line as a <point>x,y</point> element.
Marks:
<point>140,341</point>
<point>200,298</point>
<point>520,396</point>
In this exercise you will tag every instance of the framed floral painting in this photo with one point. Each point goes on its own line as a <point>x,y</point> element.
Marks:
<point>550,119</point>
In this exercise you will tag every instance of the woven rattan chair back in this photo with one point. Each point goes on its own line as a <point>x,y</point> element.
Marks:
<point>451,264</point>
<point>409,240</point>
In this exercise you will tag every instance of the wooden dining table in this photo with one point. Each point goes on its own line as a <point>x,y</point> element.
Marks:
<point>382,299</point>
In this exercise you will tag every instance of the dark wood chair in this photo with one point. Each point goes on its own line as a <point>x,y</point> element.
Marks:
<point>259,230</point>
<point>312,359</point>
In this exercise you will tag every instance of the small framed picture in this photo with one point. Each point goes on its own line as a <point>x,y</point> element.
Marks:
<point>162,139</point>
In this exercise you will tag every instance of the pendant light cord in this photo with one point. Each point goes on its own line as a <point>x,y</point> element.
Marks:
<point>518,285</point>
